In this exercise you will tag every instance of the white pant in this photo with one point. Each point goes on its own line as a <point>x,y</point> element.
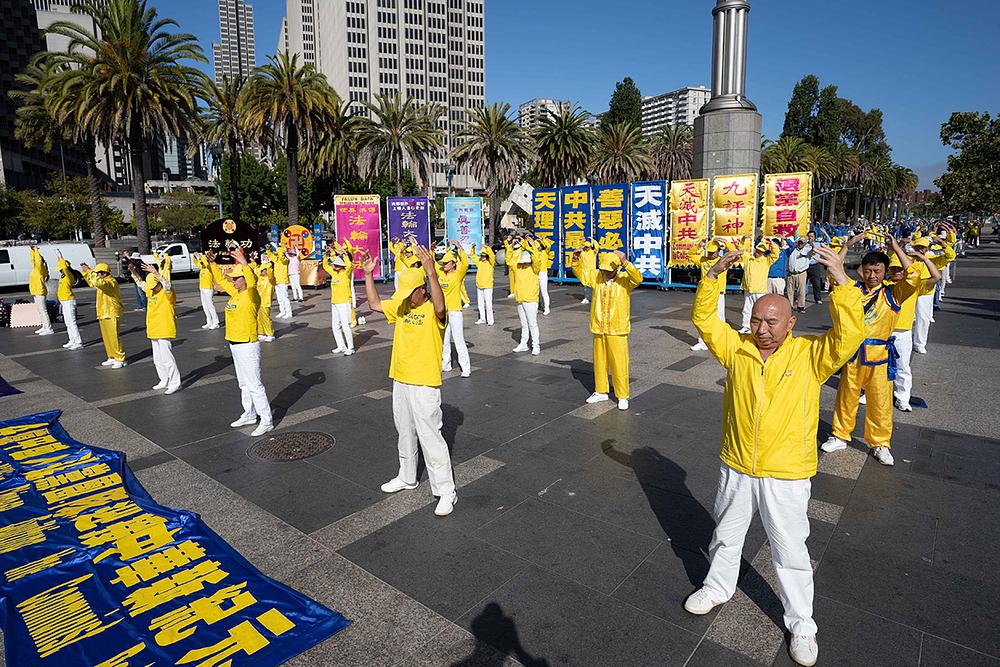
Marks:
<point>340,321</point>
<point>922,320</point>
<point>416,411</point>
<point>720,309</point>
<point>528,314</point>
<point>543,289</point>
<point>395,280</point>
<point>904,374</point>
<point>284,305</point>
<point>43,312</point>
<point>775,285</point>
<point>456,330</point>
<point>750,298</point>
<point>782,504</point>
<point>69,319</point>
<point>208,305</point>
<point>484,299</point>
<point>295,282</point>
<point>166,365</point>
<point>246,359</point>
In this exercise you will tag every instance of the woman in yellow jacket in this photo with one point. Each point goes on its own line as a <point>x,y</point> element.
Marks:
<point>770,414</point>
<point>525,261</point>
<point>241,332</point>
<point>924,315</point>
<point>67,303</point>
<point>543,274</point>
<point>161,325</point>
<point>265,292</point>
<point>340,266</point>
<point>109,311</point>
<point>206,290</point>
<point>611,285</point>
<point>451,276</point>
<point>485,263</point>
<point>36,286</point>
<point>756,264</point>
<point>508,247</point>
<point>587,261</point>
<point>281,279</point>
<point>357,255</point>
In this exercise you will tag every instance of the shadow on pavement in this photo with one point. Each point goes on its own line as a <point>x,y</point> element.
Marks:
<point>496,639</point>
<point>294,392</point>
<point>679,334</point>
<point>583,371</point>
<point>206,370</point>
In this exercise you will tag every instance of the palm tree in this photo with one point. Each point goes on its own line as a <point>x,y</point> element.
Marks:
<point>401,133</point>
<point>496,150</point>
<point>335,153</point>
<point>846,163</point>
<point>787,154</point>
<point>285,104</point>
<point>126,81</point>
<point>673,152</point>
<point>221,127</point>
<point>906,182</point>
<point>564,143</point>
<point>881,182</point>
<point>621,154</point>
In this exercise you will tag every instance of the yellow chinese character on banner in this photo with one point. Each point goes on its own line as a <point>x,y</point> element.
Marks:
<point>185,582</point>
<point>60,616</point>
<point>243,638</point>
<point>181,623</point>
<point>132,538</point>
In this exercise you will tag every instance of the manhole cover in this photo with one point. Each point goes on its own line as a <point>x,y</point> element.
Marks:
<point>291,446</point>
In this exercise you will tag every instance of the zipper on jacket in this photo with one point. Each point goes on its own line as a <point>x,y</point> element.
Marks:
<point>756,424</point>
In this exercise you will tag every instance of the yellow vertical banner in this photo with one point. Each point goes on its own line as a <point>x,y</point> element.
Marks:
<point>734,206</point>
<point>688,218</point>
<point>787,200</point>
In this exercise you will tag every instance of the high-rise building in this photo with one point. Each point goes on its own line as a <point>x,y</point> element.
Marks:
<point>177,163</point>
<point>531,113</point>
<point>678,107</point>
<point>235,54</point>
<point>431,51</point>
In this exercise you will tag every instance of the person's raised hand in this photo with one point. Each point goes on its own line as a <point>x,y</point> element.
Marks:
<point>238,255</point>
<point>149,268</point>
<point>724,263</point>
<point>621,256</point>
<point>834,264</point>
<point>368,264</point>
<point>855,239</point>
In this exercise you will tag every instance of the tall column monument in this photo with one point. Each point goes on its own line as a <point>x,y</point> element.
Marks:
<point>727,130</point>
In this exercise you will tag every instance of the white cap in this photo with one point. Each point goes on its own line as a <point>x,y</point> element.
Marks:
<point>525,258</point>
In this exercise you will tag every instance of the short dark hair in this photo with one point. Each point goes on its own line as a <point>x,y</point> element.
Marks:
<point>876,257</point>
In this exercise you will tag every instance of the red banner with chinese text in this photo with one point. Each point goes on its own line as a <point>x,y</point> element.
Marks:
<point>359,222</point>
<point>688,218</point>
<point>734,205</point>
<point>787,199</point>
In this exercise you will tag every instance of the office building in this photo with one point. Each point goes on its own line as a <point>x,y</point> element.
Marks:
<point>678,107</point>
<point>235,54</point>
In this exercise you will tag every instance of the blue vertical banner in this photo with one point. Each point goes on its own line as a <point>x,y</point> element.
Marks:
<point>611,206</point>
<point>574,220</point>
<point>544,213</point>
<point>318,243</point>
<point>463,222</point>
<point>648,250</point>
<point>409,217</point>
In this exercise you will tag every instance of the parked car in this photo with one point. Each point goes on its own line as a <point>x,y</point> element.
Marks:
<point>15,261</point>
<point>181,259</point>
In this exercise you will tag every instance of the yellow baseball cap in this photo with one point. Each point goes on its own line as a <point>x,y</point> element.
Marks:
<point>836,242</point>
<point>409,280</point>
<point>920,241</point>
<point>448,257</point>
<point>894,261</point>
<point>151,281</point>
<point>763,246</point>
<point>608,262</point>
<point>713,246</point>
<point>102,268</point>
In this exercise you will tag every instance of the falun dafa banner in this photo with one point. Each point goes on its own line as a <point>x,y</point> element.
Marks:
<point>787,199</point>
<point>688,218</point>
<point>734,205</point>
<point>544,213</point>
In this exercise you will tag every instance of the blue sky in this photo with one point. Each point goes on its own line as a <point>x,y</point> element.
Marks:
<point>918,62</point>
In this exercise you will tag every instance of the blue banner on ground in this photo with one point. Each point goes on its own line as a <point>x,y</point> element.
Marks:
<point>648,229</point>
<point>6,389</point>
<point>409,217</point>
<point>94,572</point>
<point>610,216</point>
<point>463,222</point>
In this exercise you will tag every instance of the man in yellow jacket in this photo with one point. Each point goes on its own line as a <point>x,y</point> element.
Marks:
<point>587,261</point>
<point>419,315</point>
<point>610,285</point>
<point>265,292</point>
<point>161,324</point>
<point>280,261</point>
<point>704,257</point>
<point>770,414</point>
<point>756,264</point>
<point>525,261</point>
<point>341,269</point>
<point>206,290</point>
<point>451,276</point>
<point>485,263</point>
<point>903,331</point>
<point>924,312</point>
<point>38,289</point>
<point>109,311</point>
<point>67,303</point>
<point>241,332</point>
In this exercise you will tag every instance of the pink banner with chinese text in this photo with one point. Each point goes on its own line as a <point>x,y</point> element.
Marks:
<point>359,223</point>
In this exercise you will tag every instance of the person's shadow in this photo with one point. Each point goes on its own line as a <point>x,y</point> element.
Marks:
<point>496,638</point>
<point>680,334</point>
<point>203,371</point>
<point>291,394</point>
<point>583,371</point>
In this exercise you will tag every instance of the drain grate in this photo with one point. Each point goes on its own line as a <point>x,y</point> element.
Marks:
<point>294,446</point>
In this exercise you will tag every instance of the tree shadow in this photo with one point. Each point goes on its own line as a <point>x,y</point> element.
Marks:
<point>679,334</point>
<point>496,639</point>
<point>294,392</point>
<point>583,371</point>
<point>206,370</point>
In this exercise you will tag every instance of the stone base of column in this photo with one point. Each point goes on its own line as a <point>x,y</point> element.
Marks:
<point>726,142</point>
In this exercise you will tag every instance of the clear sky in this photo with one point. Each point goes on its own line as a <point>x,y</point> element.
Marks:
<point>917,62</point>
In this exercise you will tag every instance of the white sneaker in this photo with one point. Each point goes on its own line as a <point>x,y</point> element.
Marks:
<point>699,346</point>
<point>623,404</point>
<point>901,406</point>
<point>466,306</point>
<point>480,322</point>
<point>214,326</point>
<point>107,362</point>
<point>804,650</point>
<point>546,311</point>
<point>445,369</point>
<point>67,345</point>
<point>74,346</point>
<point>466,374</point>
<point>262,428</point>
<point>863,400</point>
<point>119,364</point>
<point>489,324</point>
<point>920,350</point>
<point>160,385</point>
<point>584,300</point>
<point>446,504</point>
<point>700,602</point>
<point>597,398</point>
<point>206,325</point>
<point>833,444</point>
<point>46,332</point>
<point>396,484</point>
<point>521,348</point>
<point>244,420</point>
<point>536,351</point>
<point>338,350</point>
<point>510,296</point>
<point>348,352</point>
<point>172,390</point>
<point>883,456</point>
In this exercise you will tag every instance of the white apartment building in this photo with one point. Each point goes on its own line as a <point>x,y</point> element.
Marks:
<point>678,107</point>
<point>433,51</point>
<point>531,113</point>
<point>235,55</point>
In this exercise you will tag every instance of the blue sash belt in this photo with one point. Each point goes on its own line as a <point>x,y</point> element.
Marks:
<point>891,355</point>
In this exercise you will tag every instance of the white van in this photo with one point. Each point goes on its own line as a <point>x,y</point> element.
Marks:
<point>15,261</point>
<point>181,259</point>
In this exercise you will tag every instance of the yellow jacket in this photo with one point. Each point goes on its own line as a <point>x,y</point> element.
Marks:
<point>755,269</point>
<point>161,312</point>
<point>610,305</point>
<point>205,280</point>
<point>550,255</point>
<point>524,280</point>
<point>939,261</point>
<point>164,264</point>
<point>241,310</point>
<point>280,261</point>
<point>340,281</point>
<point>39,274</point>
<point>770,410</point>
<point>396,248</point>
<point>265,282</point>
<point>697,257</point>
<point>65,292</point>
<point>484,268</point>
<point>451,283</point>
<point>588,259</point>
<point>109,297</point>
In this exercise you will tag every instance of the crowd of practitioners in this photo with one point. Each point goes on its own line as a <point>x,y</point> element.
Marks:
<point>772,391</point>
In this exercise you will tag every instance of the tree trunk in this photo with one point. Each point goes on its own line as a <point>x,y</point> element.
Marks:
<point>96,213</point>
<point>136,146</point>
<point>494,204</point>
<point>832,219</point>
<point>234,181</point>
<point>292,173</point>
<point>857,205</point>
<point>399,176</point>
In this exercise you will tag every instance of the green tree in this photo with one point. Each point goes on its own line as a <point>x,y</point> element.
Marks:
<point>564,144</point>
<point>10,213</point>
<point>828,126</point>
<point>335,156</point>
<point>401,134</point>
<point>259,190</point>
<point>221,127</point>
<point>496,150</point>
<point>284,104</point>
<point>182,211</point>
<point>62,209</point>
<point>672,150</point>
<point>972,182</point>
<point>625,105</point>
<point>127,80</point>
<point>787,154</point>
<point>621,154</point>
<point>801,107</point>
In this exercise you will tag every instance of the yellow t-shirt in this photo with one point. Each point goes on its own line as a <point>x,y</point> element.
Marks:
<point>484,270</point>
<point>340,281</point>
<point>160,314</point>
<point>280,261</point>
<point>241,310</point>
<point>205,280</point>
<point>451,283</point>
<point>65,292</point>
<point>39,274</point>
<point>417,342</point>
